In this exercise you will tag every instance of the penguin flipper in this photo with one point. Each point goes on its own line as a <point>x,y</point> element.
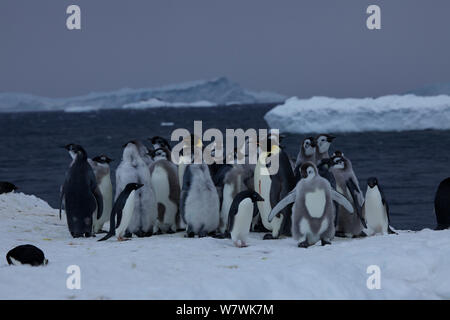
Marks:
<point>340,199</point>
<point>354,191</point>
<point>290,198</point>
<point>60,202</point>
<point>109,235</point>
<point>99,199</point>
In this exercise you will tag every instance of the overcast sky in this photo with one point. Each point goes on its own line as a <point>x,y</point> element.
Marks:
<point>294,47</point>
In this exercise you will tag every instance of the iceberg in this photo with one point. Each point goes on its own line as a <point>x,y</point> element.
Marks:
<point>204,93</point>
<point>386,113</point>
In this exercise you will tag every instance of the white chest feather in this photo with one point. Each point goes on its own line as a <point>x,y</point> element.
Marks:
<point>315,203</point>
<point>242,219</point>
<point>127,214</point>
<point>375,212</point>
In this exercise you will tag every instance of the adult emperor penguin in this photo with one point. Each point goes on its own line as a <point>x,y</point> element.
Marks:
<point>348,225</point>
<point>442,205</point>
<point>26,254</point>
<point>81,195</point>
<point>123,209</point>
<point>273,188</point>
<point>164,178</point>
<point>7,187</point>
<point>240,217</point>
<point>100,165</point>
<point>133,169</point>
<point>199,201</point>
<point>376,209</point>
<point>307,153</point>
<point>313,211</point>
<point>323,145</point>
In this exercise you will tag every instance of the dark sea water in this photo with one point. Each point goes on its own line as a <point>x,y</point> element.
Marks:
<point>409,165</point>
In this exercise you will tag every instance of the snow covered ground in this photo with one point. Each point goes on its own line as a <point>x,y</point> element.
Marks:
<point>387,113</point>
<point>414,265</point>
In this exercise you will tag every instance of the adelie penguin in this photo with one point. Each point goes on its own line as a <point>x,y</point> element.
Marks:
<point>240,217</point>
<point>442,205</point>
<point>102,171</point>
<point>313,211</point>
<point>81,195</point>
<point>376,209</point>
<point>123,209</point>
<point>7,187</point>
<point>26,254</point>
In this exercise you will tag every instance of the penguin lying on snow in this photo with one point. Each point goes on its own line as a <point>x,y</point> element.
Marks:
<point>7,187</point>
<point>241,214</point>
<point>123,209</point>
<point>26,254</point>
<point>442,205</point>
<point>313,211</point>
<point>376,210</point>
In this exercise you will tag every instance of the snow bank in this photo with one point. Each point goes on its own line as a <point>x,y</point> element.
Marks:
<point>388,113</point>
<point>414,265</point>
<point>219,91</point>
<point>156,103</point>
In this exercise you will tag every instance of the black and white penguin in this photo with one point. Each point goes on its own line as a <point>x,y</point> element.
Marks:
<point>323,145</point>
<point>81,195</point>
<point>307,153</point>
<point>164,178</point>
<point>7,187</point>
<point>240,217</point>
<point>160,142</point>
<point>199,201</point>
<point>348,225</point>
<point>160,153</point>
<point>26,254</point>
<point>313,211</point>
<point>273,188</point>
<point>133,169</point>
<point>123,209</point>
<point>102,171</point>
<point>442,205</point>
<point>376,209</point>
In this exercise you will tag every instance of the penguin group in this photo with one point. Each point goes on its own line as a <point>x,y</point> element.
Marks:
<point>313,197</point>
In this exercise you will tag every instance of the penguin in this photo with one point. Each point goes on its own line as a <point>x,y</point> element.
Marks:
<point>7,187</point>
<point>26,254</point>
<point>164,178</point>
<point>307,153</point>
<point>160,153</point>
<point>273,188</point>
<point>313,211</point>
<point>133,169</point>
<point>160,142</point>
<point>442,205</point>
<point>81,195</point>
<point>348,225</point>
<point>194,143</point>
<point>102,171</point>
<point>323,145</point>
<point>123,209</point>
<point>240,217</point>
<point>376,210</point>
<point>199,201</point>
<point>233,183</point>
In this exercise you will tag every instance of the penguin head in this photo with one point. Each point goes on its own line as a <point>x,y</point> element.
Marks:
<point>337,153</point>
<point>134,186</point>
<point>308,170</point>
<point>8,186</point>
<point>158,154</point>
<point>159,142</point>
<point>256,197</point>
<point>372,182</point>
<point>78,150</point>
<point>324,142</point>
<point>309,146</point>
<point>102,159</point>
<point>338,162</point>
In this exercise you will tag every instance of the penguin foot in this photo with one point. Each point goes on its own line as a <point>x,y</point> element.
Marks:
<point>325,242</point>
<point>189,235</point>
<point>390,231</point>
<point>303,244</point>
<point>202,234</point>
<point>269,236</point>
<point>170,231</point>
<point>240,244</point>
<point>87,234</point>
<point>361,235</point>
<point>123,239</point>
<point>127,235</point>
